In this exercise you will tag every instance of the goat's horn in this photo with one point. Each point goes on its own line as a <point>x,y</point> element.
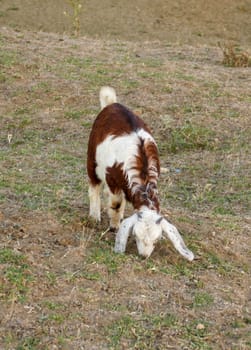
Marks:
<point>123,233</point>
<point>172,233</point>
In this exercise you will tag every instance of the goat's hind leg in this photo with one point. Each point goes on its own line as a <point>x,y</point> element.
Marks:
<point>95,203</point>
<point>116,208</point>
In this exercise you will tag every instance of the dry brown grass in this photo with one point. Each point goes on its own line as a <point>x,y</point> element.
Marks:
<point>61,286</point>
<point>234,57</point>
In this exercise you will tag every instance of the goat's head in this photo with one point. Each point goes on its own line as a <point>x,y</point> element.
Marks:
<point>147,232</point>
<point>147,226</point>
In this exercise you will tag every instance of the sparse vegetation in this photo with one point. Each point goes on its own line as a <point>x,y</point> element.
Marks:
<point>234,57</point>
<point>188,137</point>
<point>15,276</point>
<point>76,8</point>
<point>61,285</point>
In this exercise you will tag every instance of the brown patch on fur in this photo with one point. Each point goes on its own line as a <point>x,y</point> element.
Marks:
<point>116,179</point>
<point>146,195</point>
<point>115,119</point>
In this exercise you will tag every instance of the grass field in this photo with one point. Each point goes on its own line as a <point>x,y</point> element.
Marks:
<point>61,286</point>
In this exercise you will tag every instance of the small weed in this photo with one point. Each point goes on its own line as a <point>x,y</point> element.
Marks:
<point>104,256</point>
<point>3,78</point>
<point>51,305</point>
<point>76,8</point>
<point>51,278</point>
<point>239,323</point>
<point>213,261</point>
<point>153,62</point>
<point>150,75</point>
<point>182,269</point>
<point>234,57</point>
<point>13,8</point>
<point>95,276</point>
<point>95,73</point>
<point>57,318</point>
<point>15,274</point>
<point>29,343</point>
<point>7,58</point>
<point>202,299</point>
<point>119,329</point>
<point>75,115</point>
<point>130,83</point>
<point>142,333</point>
<point>43,87</point>
<point>21,111</point>
<point>175,270</point>
<point>195,334</point>
<point>8,256</point>
<point>86,124</point>
<point>86,62</point>
<point>165,320</point>
<point>184,76</point>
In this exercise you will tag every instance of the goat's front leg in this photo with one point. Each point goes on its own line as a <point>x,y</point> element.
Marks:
<point>95,204</point>
<point>116,208</point>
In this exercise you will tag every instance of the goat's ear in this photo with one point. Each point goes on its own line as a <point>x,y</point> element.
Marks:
<point>125,229</point>
<point>172,233</point>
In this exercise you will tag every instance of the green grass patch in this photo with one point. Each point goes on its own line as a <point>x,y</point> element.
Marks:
<point>202,299</point>
<point>3,77</point>
<point>75,115</point>
<point>183,76</point>
<point>195,334</point>
<point>7,58</point>
<point>104,255</point>
<point>15,276</point>
<point>139,333</point>
<point>187,138</point>
<point>218,189</point>
<point>8,256</point>
<point>28,343</point>
<point>94,276</point>
<point>52,305</point>
<point>94,73</point>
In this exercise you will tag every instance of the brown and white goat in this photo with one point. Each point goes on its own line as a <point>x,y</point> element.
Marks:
<point>123,156</point>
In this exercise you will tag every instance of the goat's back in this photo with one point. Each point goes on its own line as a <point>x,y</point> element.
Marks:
<point>117,120</point>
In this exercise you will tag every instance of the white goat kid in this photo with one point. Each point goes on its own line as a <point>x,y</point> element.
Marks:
<point>148,227</point>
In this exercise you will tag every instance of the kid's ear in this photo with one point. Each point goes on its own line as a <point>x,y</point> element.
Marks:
<point>172,233</point>
<point>125,229</point>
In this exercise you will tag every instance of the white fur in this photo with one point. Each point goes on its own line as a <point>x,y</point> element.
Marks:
<point>148,227</point>
<point>95,205</point>
<point>144,135</point>
<point>121,149</point>
<point>107,96</point>
<point>147,232</point>
<point>124,232</point>
<point>172,233</point>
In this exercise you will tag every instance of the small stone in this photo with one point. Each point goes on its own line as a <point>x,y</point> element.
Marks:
<point>200,326</point>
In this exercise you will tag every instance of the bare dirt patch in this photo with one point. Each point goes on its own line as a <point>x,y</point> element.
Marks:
<point>61,286</point>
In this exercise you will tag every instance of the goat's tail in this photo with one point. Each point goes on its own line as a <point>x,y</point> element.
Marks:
<point>107,96</point>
